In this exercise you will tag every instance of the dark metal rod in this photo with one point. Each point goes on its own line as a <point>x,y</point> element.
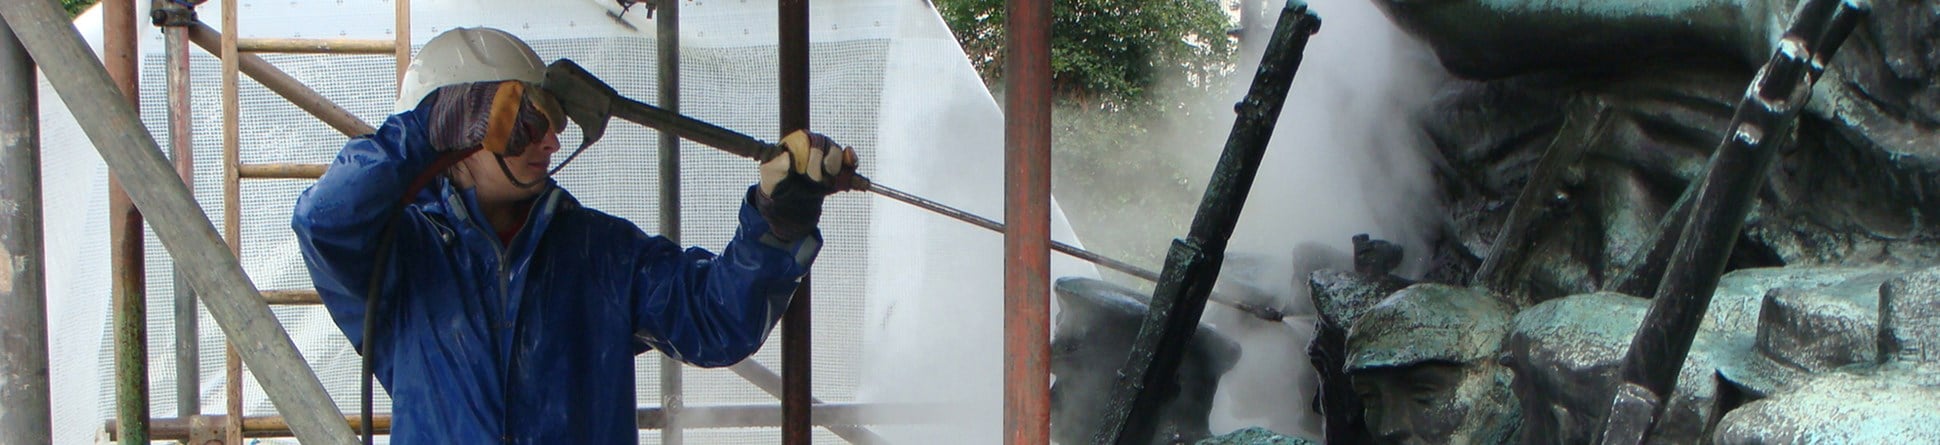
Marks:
<point>1027,219</point>
<point>1193,264</point>
<point>129,262</point>
<point>181,139</point>
<point>770,382</point>
<point>26,418</point>
<point>742,145</point>
<point>1761,125</point>
<point>133,156</point>
<point>667,37</point>
<point>795,344</point>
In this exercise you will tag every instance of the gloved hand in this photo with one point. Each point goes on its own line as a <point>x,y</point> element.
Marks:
<point>502,117</point>
<point>794,183</point>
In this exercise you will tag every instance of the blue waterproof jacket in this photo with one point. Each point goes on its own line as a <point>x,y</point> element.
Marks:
<point>531,343</point>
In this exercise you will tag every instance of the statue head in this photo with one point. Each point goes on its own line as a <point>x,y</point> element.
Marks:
<point>1424,363</point>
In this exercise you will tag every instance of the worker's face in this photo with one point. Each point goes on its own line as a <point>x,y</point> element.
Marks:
<point>481,172</point>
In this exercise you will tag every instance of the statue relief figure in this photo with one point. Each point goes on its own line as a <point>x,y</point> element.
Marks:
<point>1851,190</point>
<point>1424,363</point>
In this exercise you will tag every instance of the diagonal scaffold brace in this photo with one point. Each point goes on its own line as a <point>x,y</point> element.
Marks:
<point>136,159</point>
<point>1762,124</point>
<point>1193,263</point>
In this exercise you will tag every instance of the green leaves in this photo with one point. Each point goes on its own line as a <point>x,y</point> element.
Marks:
<point>1141,90</point>
<point>1107,52</point>
<point>75,7</point>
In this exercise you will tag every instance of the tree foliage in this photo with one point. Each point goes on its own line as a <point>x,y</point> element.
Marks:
<point>1141,85</point>
<point>1106,51</point>
<point>75,7</point>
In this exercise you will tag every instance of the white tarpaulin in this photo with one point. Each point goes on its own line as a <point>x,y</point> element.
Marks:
<point>907,304</point>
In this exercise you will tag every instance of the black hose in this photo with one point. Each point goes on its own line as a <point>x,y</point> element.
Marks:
<point>374,290</point>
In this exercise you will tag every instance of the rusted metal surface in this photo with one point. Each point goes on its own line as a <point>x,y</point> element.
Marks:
<point>316,46</point>
<point>279,82</point>
<point>26,418</point>
<point>1027,219</point>
<point>128,267</point>
<point>795,344</point>
<point>667,53</point>
<point>131,153</point>
<point>1760,127</point>
<point>281,171</point>
<point>1193,264</point>
<point>291,297</point>
<point>232,371</point>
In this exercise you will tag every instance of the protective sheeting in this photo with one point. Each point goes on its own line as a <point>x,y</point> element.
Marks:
<point>908,305</point>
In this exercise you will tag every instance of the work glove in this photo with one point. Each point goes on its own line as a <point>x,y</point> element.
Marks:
<point>502,117</point>
<point>793,183</point>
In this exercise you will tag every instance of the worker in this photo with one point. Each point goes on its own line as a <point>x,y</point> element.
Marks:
<point>509,312</point>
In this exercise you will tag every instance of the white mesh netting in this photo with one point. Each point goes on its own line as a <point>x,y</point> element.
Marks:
<point>907,305</point>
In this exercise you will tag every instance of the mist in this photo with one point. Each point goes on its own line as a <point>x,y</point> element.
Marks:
<point>1345,159</point>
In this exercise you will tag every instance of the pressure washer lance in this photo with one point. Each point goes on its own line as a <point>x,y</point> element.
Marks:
<point>590,103</point>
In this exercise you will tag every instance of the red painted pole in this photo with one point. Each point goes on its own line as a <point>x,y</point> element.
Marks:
<point>1027,214</point>
<point>795,400</point>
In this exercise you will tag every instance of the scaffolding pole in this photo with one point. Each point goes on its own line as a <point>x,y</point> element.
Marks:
<point>124,221</point>
<point>1027,214</point>
<point>667,37</point>
<point>171,17</point>
<point>795,344</point>
<point>232,367</point>
<point>279,82</point>
<point>133,156</point>
<point>26,418</point>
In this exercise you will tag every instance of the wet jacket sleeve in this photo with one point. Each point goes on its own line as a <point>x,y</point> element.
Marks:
<point>715,311</point>
<point>339,219</point>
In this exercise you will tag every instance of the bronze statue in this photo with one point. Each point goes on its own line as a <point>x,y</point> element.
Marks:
<point>1424,363</point>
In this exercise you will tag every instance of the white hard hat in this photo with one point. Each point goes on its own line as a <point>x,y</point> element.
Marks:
<point>464,55</point>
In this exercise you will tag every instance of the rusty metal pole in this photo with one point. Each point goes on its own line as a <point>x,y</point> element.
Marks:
<point>667,37</point>
<point>133,156</point>
<point>232,366</point>
<point>795,400</point>
<point>1027,215</point>
<point>26,418</point>
<point>171,17</point>
<point>130,283</point>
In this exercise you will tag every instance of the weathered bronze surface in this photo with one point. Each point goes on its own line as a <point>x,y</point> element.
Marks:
<point>1096,323</point>
<point>1821,328</point>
